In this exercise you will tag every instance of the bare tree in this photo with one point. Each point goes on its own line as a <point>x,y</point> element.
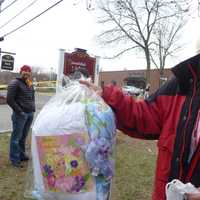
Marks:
<point>131,23</point>
<point>36,69</point>
<point>167,42</point>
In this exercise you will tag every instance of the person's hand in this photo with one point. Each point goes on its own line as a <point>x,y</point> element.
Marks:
<point>95,88</point>
<point>22,113</point>
<point>193,196</point>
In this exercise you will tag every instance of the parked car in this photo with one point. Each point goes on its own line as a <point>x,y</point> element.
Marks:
<point>2,99</point>
<point>132,90</point>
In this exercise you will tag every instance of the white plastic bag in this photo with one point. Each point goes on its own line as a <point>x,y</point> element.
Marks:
<point>176,190</point>
<point>73,146</point>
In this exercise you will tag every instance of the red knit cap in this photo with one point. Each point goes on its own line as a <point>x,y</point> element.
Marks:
<point>25,68</point>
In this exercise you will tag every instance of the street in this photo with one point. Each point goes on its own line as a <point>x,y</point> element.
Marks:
<point>5,111</point>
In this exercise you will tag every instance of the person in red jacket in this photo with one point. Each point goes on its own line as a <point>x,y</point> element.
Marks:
<point>172,116</point>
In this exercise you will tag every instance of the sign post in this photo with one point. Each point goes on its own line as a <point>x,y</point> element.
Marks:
<point>60,69</point>
<point>96,76</point>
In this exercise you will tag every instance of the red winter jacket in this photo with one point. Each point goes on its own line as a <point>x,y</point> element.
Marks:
<point>169,115</point>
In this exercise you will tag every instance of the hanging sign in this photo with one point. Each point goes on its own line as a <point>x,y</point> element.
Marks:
<point>7,62</point>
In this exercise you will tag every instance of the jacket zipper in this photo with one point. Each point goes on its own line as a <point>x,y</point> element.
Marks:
<point>186,124</point>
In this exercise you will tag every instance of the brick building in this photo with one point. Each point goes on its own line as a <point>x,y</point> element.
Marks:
<point>137,76</point>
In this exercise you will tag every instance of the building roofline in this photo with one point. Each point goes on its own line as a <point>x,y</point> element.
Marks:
<point>131,70</point>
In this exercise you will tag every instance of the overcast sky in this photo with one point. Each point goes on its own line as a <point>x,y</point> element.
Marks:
<point>66,26</point>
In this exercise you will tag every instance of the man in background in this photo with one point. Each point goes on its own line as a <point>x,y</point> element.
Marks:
<point>21,98</point>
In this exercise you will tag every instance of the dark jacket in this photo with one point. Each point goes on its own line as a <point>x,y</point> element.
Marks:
<point>169,115</point>
<point>21,97</point>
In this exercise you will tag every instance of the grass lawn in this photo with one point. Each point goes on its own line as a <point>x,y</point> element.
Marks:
<point>135,163</point>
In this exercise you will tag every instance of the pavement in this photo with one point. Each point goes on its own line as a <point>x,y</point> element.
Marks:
<point>6,112</point>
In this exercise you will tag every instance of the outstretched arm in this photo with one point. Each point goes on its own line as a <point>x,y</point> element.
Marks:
<point>135,118</point>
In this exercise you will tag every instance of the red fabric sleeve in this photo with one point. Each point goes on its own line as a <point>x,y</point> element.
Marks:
<point>136,118</point>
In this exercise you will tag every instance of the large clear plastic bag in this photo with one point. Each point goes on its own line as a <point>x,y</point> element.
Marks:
<point>73,143</point>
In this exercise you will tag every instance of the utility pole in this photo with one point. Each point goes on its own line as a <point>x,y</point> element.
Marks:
<point>0,56</point>
<point>1,1</point>
<point>198,8</point>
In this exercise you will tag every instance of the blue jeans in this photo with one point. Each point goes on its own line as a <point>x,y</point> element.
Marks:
<point>21,125</point>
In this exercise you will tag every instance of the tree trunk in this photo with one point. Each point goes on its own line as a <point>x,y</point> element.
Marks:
<point>148,62</point>
<point>161,81</point>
